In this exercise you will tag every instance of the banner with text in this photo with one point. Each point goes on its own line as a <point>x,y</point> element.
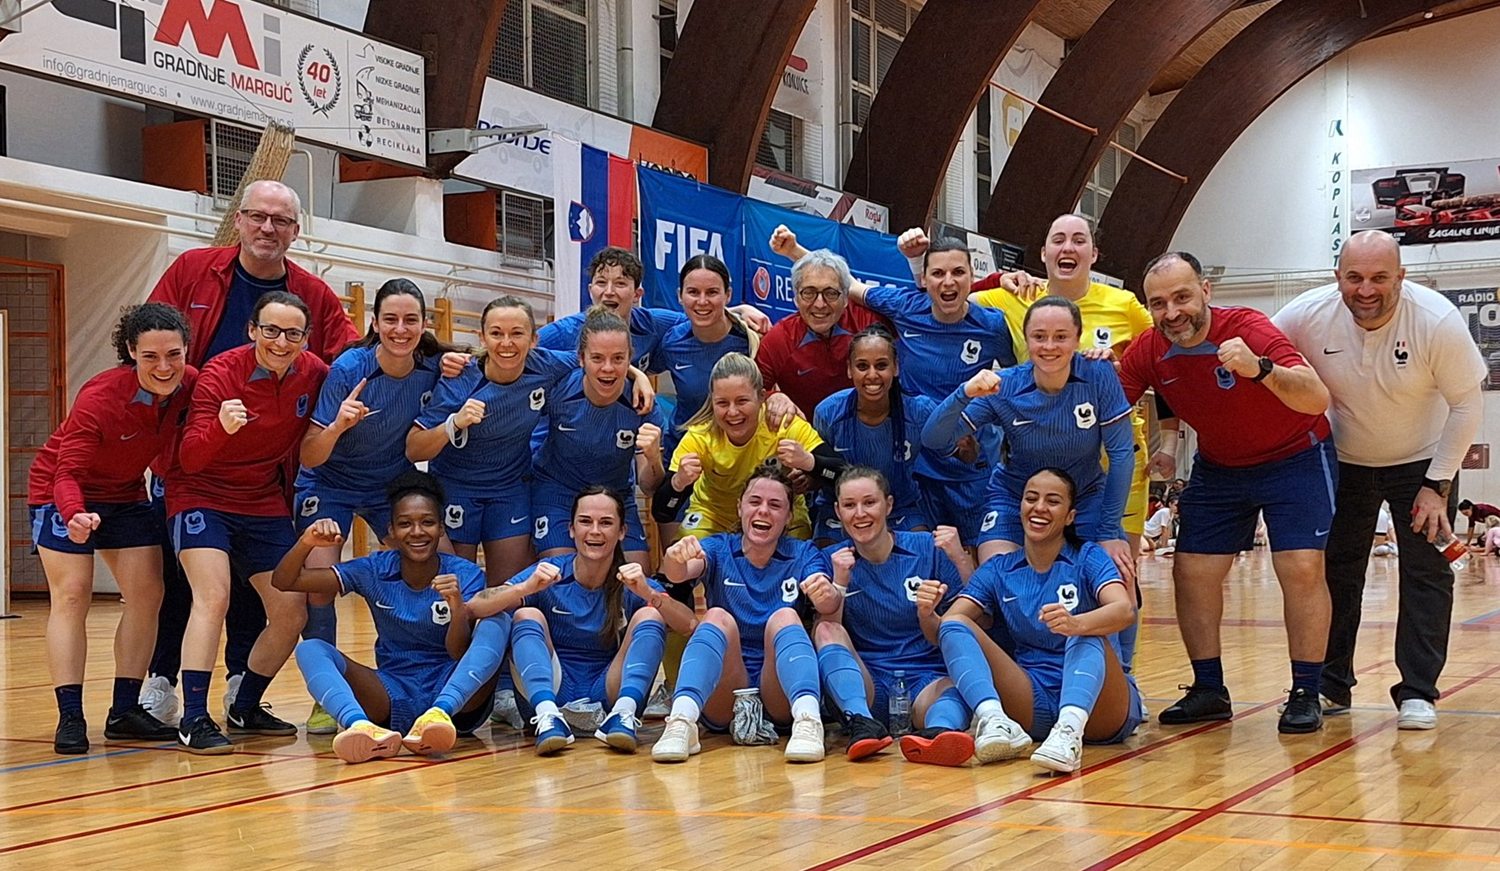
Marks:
<point>243,62</point>
<point>1481,310</point>
<point>768,275</point>
<point>681,218</point>
<point>1421,205</point>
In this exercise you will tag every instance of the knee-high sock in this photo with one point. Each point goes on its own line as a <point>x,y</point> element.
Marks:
<point>796,662</point>
<point>642,658</point>
<point>1128,638</point>
<point>478,664</point>
<point>948,712</point>
<point>966,664</point>
<point>842,677</point>
<point>323,668</point>
<point>702,663</point>
<point>533,659</point>
<point>322,624</point>
<point>1083,672</point>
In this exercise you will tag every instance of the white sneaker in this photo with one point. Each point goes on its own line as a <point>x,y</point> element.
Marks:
<point>505,712</point>
<point>231,692</point>
<point>159,698</point>
<point>678,741</point>
<point>1417,714</point>
<point>1062,751</point>
<point>806,743</point>
<point>999,737</point>
<point>659,705</point>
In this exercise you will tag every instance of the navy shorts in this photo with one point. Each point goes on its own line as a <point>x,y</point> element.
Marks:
<point>1218,507</point>
<point>317,502</point>
<point>956,504</point>
<point>553,506</point>
<point>255,544</point>
<point>121,525</point>
<point>407,704</point>
<point>474,517</point>
<point>1045,705</point>
<point>1002,518</point>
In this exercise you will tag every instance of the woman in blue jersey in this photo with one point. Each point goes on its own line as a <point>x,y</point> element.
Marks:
<point>752,635</point>
<point>890,589</point>
<point>1061,601</point>
<point>1057,409</point>
<point>430,655</point>
<point>592,435</point>
<point>877,424</point>
<point>595,619</point>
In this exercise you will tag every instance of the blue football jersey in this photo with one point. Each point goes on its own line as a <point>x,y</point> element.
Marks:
<point>586,444</point>
<point>938,357</point>
<point>753,594</point>
<point>691,361</point>
<point>880,611</point>
<point>837,421</point>
<point>498,450</point>
<point>647,327</point>
<point>575,616</point>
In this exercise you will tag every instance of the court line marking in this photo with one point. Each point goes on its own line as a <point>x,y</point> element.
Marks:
<point>127,751</point>
<point>1481,617</point>
<point>1374,821</point>
<point>1140,847</point>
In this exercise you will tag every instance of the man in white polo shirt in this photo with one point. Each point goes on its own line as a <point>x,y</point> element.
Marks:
<point>1404,376</point>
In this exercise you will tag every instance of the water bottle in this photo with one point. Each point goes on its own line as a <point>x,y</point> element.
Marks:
<point>899,707</point>
<point>1456,552</point>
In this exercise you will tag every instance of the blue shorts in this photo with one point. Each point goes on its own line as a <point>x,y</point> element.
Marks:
<point>584,683</point>
<point>121,525</point>
<point>1218,507</point>
<point>553,506</point>
<point>955,503</point>
<point>903,518</point>
<point>319,501</point>
<point>885,681</point>
<point>1002,518</point>
<point>1044,707</point>
<point>472,517</point>
<point>254,544</point>
<point>408,702</point>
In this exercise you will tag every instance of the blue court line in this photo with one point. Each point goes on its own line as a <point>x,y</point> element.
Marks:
<point>1382,709</point>
<point>86,758</point>
<point>1482,617</point>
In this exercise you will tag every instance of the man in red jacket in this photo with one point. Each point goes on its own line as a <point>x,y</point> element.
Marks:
<point>217,288</point>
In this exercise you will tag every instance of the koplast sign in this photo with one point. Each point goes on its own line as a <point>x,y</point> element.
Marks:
<point>241,61</point>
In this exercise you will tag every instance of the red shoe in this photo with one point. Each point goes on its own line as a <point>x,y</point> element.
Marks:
<point>938,747</point>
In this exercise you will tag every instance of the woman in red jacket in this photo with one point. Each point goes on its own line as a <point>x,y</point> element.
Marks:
<point>88,494</point>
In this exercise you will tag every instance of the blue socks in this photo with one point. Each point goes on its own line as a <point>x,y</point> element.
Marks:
<point>948,712</point>
<point>703,662</point>
<point>1128,638</point>
<point>322,624</point>
<point>1208,673</point>
<point>647,643</point>
<point>127,694</point>
<point>533,659</point>
<point>194,694</point>
<point>796,662</point>
<point>323,669</point>
<point>252,689</point>
<point>966,664</point>
<point>69,698</point>
<point>842,677</point>
<point>478,664</point>
<point>1307,676</point>
<point>1083,672</point>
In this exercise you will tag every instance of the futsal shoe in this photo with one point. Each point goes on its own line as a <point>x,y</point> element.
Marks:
<point>678,741</point>
<point>659,705</point>
<point>937,746</point>
<point>201,736</point>
<point>320,722</point>
<point>1331,708</point>
<point>867,736</point>
<point>365,741</point>
<point>259,721</point>
<point>1417,714</point>
<point>506,712</point>
<point>806,743</point>
<point>72,738</point>
<point>998,738</point>
<point>136,724</point>
<point>552,733</point>
<point>1062,751</point>
<point>618,731</point>
<point>1200,705</point>
<point>159,697</point>
<point>433,732</point>
<point>1302,714</point>
<point>231,692</point>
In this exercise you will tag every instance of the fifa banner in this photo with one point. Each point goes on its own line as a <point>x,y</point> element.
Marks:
<point>1481,310</point>
<point>1420,205</point>
<point>768,281</point>
<point>595,208</point>
<point>680,219</point>
<point>243,62</point>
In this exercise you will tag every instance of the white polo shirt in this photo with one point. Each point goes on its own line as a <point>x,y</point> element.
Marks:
<point>1392,388</point>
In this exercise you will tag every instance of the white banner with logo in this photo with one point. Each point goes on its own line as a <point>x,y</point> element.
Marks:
<point>244,62</point>
<point>800,91</point>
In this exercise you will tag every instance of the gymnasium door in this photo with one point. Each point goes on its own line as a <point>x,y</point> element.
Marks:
<point>33,294</point>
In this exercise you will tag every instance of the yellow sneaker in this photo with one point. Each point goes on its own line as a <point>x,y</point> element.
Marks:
<point>365,741</point>
<point>433,732</point>
<point>320,722</point>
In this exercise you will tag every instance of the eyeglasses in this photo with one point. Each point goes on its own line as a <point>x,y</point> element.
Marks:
<point>830,295</point>
<point>273,332</point>
<point>280,222</point>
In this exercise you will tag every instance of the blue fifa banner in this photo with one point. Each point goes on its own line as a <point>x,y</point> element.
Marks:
<point>873,257</point>
<point>767,279</point>
<point>680,219</point>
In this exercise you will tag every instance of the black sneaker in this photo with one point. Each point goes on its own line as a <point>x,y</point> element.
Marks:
<point>259,721</point>
<point>202,736</point>
<point>866,736</point>
<point>72,736</point>
<point>137,724</point>
<point>1303,713</point>
<point>1200,705</point>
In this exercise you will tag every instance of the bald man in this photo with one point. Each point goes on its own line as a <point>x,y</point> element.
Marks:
<point>1403,375</point>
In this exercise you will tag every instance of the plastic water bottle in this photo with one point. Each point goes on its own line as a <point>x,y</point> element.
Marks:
<point>899,707</point>
<point>1456,552</point>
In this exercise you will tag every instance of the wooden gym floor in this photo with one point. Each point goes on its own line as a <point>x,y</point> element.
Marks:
<point>1231,795</point>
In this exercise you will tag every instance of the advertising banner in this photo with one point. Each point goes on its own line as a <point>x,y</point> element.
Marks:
<point>1420,205</point>
<point>681,218</point>
<point>595,208</point>
<point>242,62</point>
<point>767,284</point>
<point>1481,309</point>
<point>780,189</point>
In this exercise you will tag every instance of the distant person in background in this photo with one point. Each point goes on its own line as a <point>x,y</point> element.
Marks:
<point>1385,537</point>
<point>1158,533</point>
<point>1478,513</point>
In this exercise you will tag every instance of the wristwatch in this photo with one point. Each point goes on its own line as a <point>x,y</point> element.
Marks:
<point>1439,487</point>
<point>1265,369</point>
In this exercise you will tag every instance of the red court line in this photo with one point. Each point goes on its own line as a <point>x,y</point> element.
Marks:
<point>1172,831</point>
<point>239,751</point>
<point>1322,818</point>
<point>112,790</point>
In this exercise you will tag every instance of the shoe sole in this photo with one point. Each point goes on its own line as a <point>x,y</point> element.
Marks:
<point>73,750</point>
<point>288,732</point>
<point>950,749</point>
<point>692,751</point>
<point>554,744</point>
<point>331,729</point>
<point>1416,725</point>
<point>621,741</point>
<point>434,738</point>
<point>1174,720</point>
<point>999,751</point>
<point>1053,763</point>
<point>868,747</point>
<point>356,747</point>
<point>168,734</point>
<point>811,754</point>
<point>1286,729</point>
<point>206,751</point>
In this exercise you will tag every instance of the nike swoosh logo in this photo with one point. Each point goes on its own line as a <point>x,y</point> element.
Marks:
<point>1166,381</point>
<point>1008,599</point>
<point>1336,351</point>
<point>839,449</point>
<point>1086,675</point>
<point>848,593</point>
<point>197,305</point>
<point>1322,532</point>
<point>733,584</point>
<point>520,519</point>
<point>561,428</point>
<point>384,606</point>
<point>680,366</point>
<point>1021,422</point>
<point>129,437</point>
<point>557,610</point>
<point>801,372</point>
<point>906,335</point>
<point>183,736</point>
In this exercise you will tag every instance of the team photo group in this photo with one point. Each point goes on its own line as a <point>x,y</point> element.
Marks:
<point>901,515</point>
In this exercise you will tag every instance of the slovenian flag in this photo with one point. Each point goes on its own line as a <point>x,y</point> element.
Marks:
<point>595,208</point>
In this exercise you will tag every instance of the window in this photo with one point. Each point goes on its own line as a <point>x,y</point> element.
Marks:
<point>781,144</point>
<point>543,45</point>
<point>666,28</point>
<point>307,7</point>
<point>983,177</point>
<point>1101,185</point>
<point>522,224</point>
<point>876,29</point>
